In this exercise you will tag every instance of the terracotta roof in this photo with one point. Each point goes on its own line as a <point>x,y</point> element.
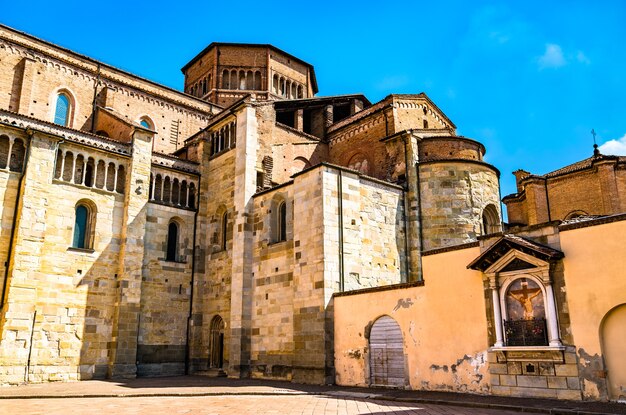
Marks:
<point>582,165</point>
<point>508,242</point>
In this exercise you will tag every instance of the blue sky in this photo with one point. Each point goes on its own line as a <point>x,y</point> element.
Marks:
<point>528,79</point>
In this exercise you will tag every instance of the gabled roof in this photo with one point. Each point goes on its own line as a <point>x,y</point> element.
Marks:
<point>509,242</point>
<point>571,168</point>
<point>582,165</point>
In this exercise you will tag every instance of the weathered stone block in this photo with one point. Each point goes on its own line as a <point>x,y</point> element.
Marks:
<point>534,392</point>
<point>514,368</point>
<point>498,368</point>
<point>566,370</point>
<point>573,382</point>
<point>574,395</point>
<point>532,381</point>
<point>508,380</point>
<point>557,382</point>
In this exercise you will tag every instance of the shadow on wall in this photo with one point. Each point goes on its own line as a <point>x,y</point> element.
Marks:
<point>87,304</point>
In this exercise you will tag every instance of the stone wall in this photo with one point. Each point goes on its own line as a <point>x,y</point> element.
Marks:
<point>453,196</point>
<point>165,293</point>
<point>538,373</point>
<point>57,315</point>
<point>272,336</point>
<point>212,292</point>
<point>287,147</point>
<point>80,313</point>
<point>8,194</point>
<point>33,72</point>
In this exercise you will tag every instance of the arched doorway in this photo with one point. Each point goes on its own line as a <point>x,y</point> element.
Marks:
<point>614,351</point>
<point>386,353</point>
<point>216,343</point>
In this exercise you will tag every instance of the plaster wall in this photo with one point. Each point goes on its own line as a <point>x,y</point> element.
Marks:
<point>430,317</point>
<point>595,260</point>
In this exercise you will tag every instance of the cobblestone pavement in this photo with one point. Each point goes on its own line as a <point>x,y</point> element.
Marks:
<point>214,405</point>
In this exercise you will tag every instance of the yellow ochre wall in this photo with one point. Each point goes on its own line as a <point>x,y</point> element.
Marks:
<point>595,267</point>
<point>444,329</point>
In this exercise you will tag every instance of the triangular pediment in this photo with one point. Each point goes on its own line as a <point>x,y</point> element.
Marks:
<point>513,253</point>
<point>517,264</point>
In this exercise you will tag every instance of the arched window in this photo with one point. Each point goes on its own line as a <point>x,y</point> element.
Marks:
<point>490,220</point>
<point>278,220</point>
<point>575,214</point>
<point>360,163</point>
<point>5,149</point>
<point>63,110</point>
<point>299,164</point>
<point>16,158</point>
<point>84,224</point>
<point>282,222</point>
<point>144,123</point>
<point>172,242</point>
<point>224,230</point>
<point>275,87</point>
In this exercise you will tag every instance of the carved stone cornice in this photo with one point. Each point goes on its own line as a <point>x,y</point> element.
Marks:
<point>23,122</point>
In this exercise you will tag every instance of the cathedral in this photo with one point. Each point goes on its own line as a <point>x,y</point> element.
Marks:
<point>248,228</point>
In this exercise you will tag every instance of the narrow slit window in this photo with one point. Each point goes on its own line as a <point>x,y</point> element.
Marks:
<point>172,242</point>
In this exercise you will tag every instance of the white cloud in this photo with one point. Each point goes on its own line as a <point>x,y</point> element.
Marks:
<point>552,57</point>
<point>614,147</point>
<point>580,57</point>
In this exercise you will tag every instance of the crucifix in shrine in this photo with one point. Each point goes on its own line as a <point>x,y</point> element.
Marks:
<point>524,296</point>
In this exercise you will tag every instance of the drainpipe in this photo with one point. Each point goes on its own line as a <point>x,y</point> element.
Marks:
<point>501,206</point>
<point>407,262</point>
<point>340,212</point>
<point>420,274</point>
<point>30,348</point>
<point>94,102</point>
<point>545,188</point>
<point>193,274</point>
<point>15,211</point>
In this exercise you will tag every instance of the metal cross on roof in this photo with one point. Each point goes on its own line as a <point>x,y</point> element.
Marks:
<point>596,152</point>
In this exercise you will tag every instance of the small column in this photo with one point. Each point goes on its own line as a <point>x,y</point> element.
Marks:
<point>115,179</point>
<point>497,313</point>
<point>82,178</point>
<point>299,119</point>
<point>73,177</point>
<point>187,195</point>
<point>180,192</point>
<point>162,187</point>
<point>106,175</point>
<point>95,172</point>
<point>553,327</point>
<point>63,154</point>
<point>8,165</point>
<point>153,185</point>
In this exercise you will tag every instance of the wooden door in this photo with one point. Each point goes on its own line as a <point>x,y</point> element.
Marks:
<point>386,353</point>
